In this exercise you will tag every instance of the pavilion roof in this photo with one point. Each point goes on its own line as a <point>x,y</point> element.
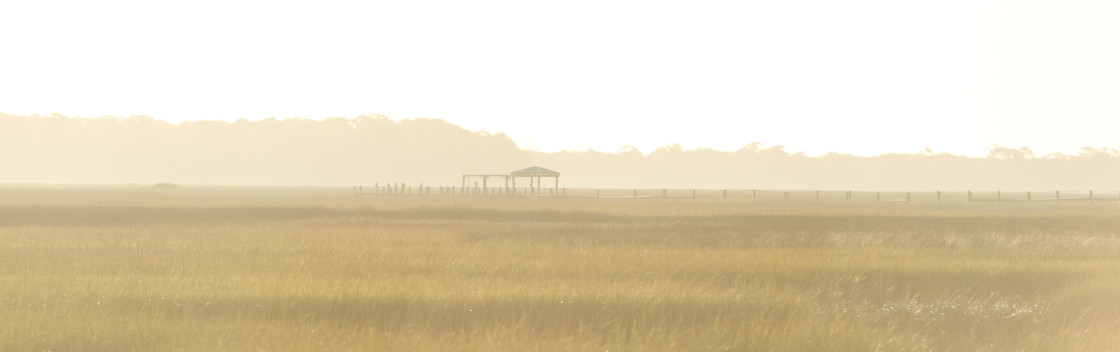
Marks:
<point>535,171</point>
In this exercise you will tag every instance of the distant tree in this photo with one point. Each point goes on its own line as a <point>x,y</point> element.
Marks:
<point>629,150</point>
<point>1056,156</point>
<point>1002,153</point>
<point>673,148</point>
<point>1088,152</point>
<point>751,148</point>
<point>778,150</point>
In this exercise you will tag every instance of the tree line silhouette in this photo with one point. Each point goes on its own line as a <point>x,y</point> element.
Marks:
<point>371,149</point>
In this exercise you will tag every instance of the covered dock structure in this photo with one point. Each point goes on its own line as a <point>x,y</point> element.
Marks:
<point>535,174</point>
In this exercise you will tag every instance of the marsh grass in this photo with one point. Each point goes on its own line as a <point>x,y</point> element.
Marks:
<point>314,269</point>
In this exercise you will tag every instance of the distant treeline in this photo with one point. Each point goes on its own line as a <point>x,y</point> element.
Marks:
<point>376,149</point>
<point>334,151</point>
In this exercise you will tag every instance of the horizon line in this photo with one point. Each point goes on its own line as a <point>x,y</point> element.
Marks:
<point>622,148</point>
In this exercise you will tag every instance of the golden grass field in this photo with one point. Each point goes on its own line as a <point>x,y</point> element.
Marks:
<point>302,269</point>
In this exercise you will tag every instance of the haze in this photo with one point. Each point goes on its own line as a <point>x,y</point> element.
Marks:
<point>371,150</point>
<point>859,77</point>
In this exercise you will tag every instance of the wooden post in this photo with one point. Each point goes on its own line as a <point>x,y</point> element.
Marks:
<point>878,197</point>
<point>1090,197</point>
<point>596,194</point>
<point>693,194</point>
<point>787,196</point>
<point>908,197</point>
<point>818,196</point>
<point>725,194</point>
<point>754,194</point>
<point>1058,197</point>
<point>635,194</point>
<point>848,196</point>
<point>939,196</point>
<point>1028,197</point>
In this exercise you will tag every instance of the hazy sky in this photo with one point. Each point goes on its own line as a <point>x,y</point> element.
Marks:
<point>862,77</point>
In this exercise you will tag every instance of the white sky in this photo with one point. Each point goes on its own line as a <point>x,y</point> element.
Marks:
<point>860,76</point>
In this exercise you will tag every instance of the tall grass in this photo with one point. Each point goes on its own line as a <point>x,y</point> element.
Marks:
<point>313,269</point>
